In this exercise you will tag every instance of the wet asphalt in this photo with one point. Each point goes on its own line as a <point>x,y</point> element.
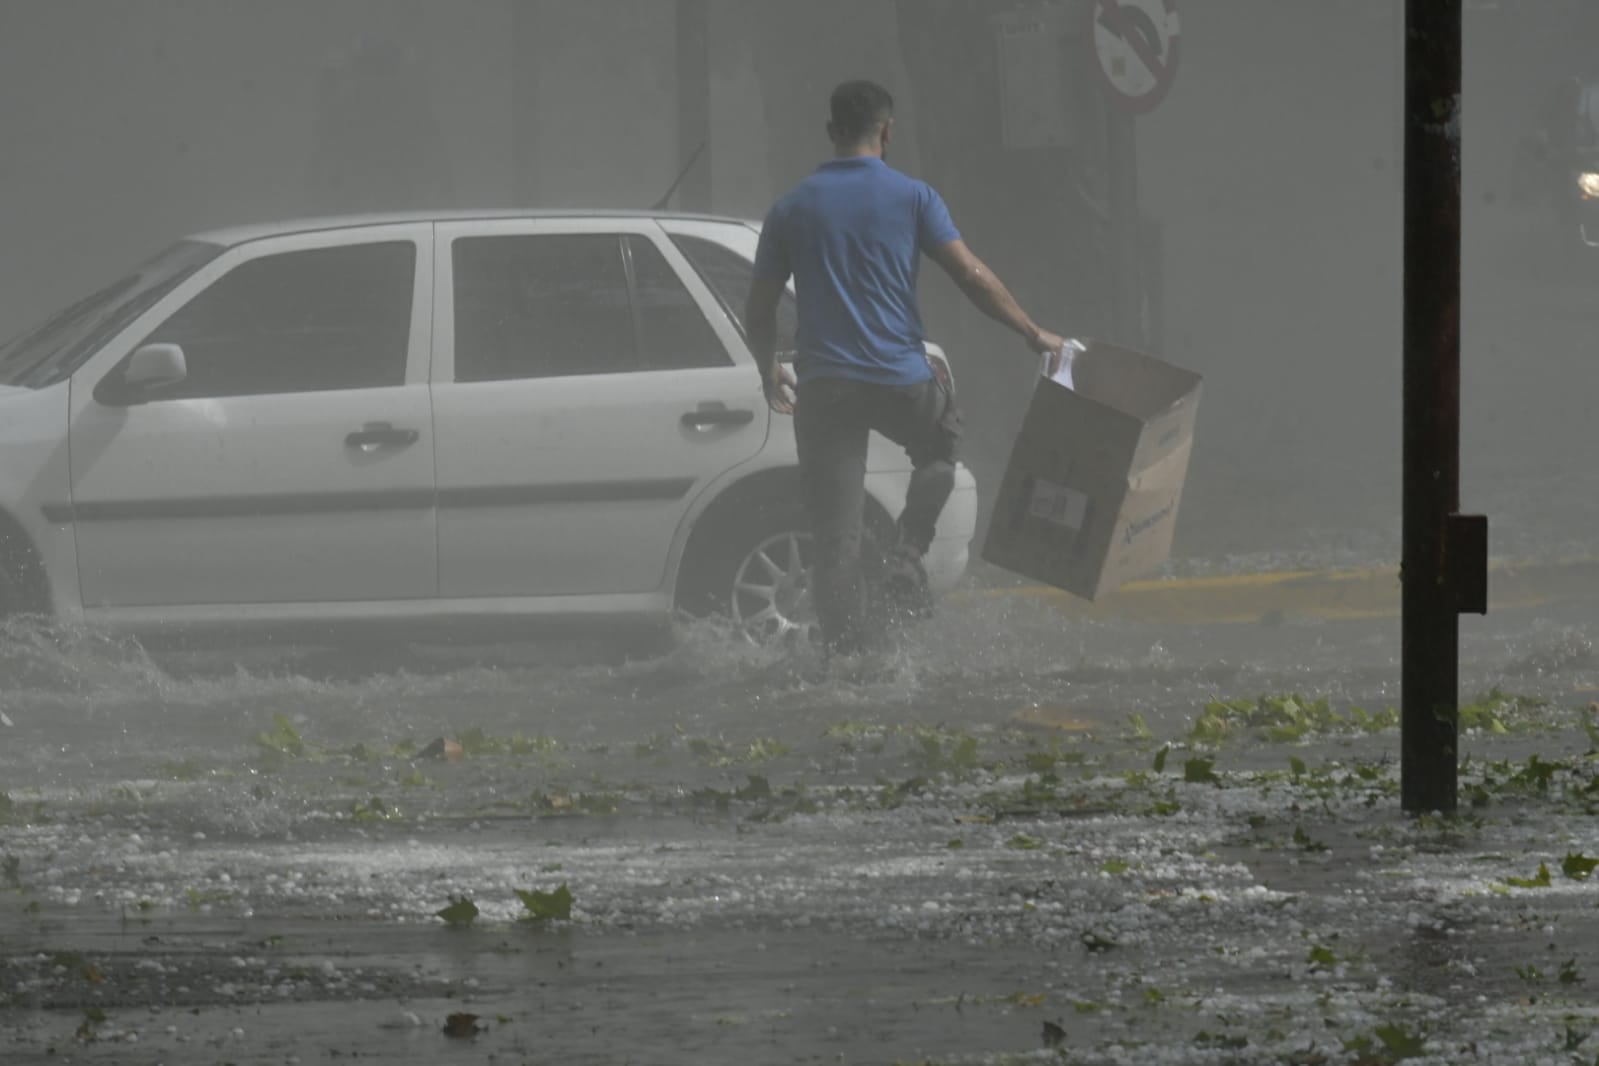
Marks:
<point>1017,818</point>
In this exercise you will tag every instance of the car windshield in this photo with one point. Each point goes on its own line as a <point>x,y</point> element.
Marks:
<point>51,351</point>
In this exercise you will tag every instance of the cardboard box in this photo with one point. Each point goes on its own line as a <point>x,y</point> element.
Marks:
<point>1090,496</point>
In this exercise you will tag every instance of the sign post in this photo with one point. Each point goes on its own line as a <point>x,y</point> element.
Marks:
<point>1137,45</point>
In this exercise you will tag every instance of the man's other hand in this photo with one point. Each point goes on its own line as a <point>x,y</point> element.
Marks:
<point>780,389</point>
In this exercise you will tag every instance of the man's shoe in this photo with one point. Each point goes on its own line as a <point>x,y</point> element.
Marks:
<point>905,590</point>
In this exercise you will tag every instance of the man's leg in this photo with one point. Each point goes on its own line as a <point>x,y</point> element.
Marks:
<point>924,420</point>
<point>831,431</point>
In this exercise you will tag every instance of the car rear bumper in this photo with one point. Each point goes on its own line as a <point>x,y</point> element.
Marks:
<point>951,551</point>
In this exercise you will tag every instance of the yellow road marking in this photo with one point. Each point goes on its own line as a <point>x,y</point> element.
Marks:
<point>1342,595</point>
<point>1055,718</point>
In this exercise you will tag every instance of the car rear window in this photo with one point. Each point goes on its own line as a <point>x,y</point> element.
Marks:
<point>728,275</point>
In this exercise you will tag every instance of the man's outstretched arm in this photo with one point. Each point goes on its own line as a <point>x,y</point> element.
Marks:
<point>979,284</point>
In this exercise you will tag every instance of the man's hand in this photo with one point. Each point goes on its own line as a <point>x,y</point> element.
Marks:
<point>779,386</point>
<point>1051,346</point>
<point>1043,342</point>
<point>760,320</point>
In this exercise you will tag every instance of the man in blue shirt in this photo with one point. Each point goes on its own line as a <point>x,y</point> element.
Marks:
<point>852,236</point>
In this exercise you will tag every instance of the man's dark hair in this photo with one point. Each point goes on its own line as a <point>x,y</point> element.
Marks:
<point>858,108</point>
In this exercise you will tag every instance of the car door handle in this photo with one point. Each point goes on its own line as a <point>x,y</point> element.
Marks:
<point>376,435</point>
<point>711,415</point>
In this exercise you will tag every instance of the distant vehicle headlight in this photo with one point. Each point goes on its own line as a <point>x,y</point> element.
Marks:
<point>1589,184</point>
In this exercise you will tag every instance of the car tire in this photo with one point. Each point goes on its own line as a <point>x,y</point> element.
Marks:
<point>755,574</point>
<point>12,600</point>
<point>766,549</point>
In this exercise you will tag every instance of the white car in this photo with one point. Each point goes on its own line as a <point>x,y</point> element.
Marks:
<point>530,416</point>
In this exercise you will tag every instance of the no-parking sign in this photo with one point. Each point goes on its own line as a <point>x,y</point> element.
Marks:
<point>1136,43</point>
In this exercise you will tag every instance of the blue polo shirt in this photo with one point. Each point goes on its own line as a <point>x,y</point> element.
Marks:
<point>852,235</point>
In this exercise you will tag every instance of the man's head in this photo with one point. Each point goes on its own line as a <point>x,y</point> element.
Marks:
<point>862,121</point>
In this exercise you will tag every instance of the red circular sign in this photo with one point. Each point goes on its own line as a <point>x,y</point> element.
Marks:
<point>1136,49</point>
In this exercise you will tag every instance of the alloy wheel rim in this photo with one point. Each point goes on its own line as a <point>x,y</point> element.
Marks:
<point>771,598</point>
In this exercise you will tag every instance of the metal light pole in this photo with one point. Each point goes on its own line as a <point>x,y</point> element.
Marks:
<point>1445,553</point>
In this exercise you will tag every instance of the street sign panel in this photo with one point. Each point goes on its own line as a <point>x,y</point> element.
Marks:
<point>1034,110</point>
<point>1136,44</point>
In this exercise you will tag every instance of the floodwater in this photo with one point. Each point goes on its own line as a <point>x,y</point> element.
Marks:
<point>240,857</point>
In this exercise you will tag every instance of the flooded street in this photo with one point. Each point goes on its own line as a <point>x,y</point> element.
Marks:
<point>725,855</point>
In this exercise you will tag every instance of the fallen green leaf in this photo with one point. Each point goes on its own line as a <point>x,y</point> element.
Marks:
<point>1357,1045</point>
<point>1539,881</point>
<point>282,739</point>
<point>1400,1042</point>
<point>1321,956</point>
<point>546,906</point>
<point>1578,866</point>
<point>461,911</point>
<point>1200,771</point>
<point>1303,840</point>
<point>1026,999</point>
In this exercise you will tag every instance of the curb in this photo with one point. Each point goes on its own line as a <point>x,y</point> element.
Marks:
<point>1332,596</point>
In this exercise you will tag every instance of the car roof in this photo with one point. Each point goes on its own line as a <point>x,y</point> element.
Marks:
<point>232,235</point>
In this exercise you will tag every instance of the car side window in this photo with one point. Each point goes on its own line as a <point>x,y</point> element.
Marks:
<point>317,320</point>
<point>538,306</point>
<point>729,275</point>
<point>672,325</point>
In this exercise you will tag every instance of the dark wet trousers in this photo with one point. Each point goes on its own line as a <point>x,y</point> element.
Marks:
<point>833,420</point>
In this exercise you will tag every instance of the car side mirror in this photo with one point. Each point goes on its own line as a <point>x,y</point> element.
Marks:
<point>148,370</point>
<point>155,366</point>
